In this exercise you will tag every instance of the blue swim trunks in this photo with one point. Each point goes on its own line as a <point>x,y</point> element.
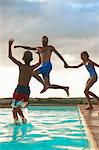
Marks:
<point>45,69</point>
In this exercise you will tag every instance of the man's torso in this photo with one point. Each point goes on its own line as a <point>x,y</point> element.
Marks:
<point>45,53</point>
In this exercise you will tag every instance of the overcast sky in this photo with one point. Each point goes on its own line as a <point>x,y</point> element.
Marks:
<point>71,25</point>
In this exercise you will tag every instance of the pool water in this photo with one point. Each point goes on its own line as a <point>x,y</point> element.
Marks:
<point>48,128</point>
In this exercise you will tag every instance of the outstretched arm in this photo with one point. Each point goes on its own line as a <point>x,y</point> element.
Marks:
<point>75,66</point>
<point>93,63</point>
<point>10,53</point>
<point>25,47</point>
<point>60,56</point>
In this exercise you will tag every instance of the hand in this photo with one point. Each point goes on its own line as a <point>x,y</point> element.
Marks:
<point>11,41</point>
<point>16,46</point>
<point>66,65</point>
<point>37,50</point>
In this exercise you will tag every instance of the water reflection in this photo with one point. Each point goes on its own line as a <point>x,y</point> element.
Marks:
<point>21,131</point>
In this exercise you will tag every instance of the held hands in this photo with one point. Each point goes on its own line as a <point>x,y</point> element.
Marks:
<point>11,42</point>
<point>66,65</point>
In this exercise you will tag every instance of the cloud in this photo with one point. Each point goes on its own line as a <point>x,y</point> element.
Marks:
<point>70,24</point>
<point>37,1</point>
<point>65,19</point>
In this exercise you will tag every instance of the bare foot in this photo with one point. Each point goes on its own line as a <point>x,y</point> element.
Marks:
<point>16,122</point>
<point>67,90</point>
<point>24,120</point>
<point>89,108</point>
<point>45,88</point>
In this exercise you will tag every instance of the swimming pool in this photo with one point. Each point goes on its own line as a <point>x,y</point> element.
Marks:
<point>48,128</point>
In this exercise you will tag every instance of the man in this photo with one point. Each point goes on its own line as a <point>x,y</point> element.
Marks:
<point>45,54</point>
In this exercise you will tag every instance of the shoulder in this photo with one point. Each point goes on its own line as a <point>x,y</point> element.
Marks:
<point>33,67</point>
<point>82,63</point>
<point>39,47</point>
<point>19,64</point>
<point>51,47</point>
<point>91,62</point>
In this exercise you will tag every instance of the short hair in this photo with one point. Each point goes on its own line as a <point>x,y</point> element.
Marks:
<point>28,56</point>
<point>85,53</point>
<point>45,37</point>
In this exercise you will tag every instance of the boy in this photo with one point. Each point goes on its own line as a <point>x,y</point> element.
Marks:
<point>22,92</point>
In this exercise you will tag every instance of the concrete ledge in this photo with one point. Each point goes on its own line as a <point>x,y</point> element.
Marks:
<point>91,118</point>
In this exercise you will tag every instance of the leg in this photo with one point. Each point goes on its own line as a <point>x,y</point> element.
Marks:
<point>93,95</point>
<point>89,84</point>
<point>65,88</point>
<point>15,116</point>
<point>14,111</point>
<point>36,75</point>
<point>21,114</point>
<point>88,99</point>
<point>54,86</point>
<point>45,70</point>
<point>47,83</point>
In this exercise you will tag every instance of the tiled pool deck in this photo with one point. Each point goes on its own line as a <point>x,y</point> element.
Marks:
<point>92,121</point>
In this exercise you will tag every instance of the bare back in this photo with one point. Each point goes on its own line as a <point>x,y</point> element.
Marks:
<point>25,74</point>
<point>45,53</point>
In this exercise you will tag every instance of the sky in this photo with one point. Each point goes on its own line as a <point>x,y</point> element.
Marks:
<point>72,27</point>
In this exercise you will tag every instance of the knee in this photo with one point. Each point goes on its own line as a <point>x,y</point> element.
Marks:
<point>14,110</point>
<point>35,73</point>
<point>86,91</point>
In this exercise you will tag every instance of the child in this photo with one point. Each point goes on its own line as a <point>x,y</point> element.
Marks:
<point>89,64</point>
<point>22,92</point>
<point>45,54</point>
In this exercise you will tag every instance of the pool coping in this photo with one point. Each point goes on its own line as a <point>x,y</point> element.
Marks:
<point>93,142</point>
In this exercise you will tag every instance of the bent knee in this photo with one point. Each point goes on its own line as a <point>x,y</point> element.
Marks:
<point>14,109</point>
<point>34,73</point>
<point>86,91</point>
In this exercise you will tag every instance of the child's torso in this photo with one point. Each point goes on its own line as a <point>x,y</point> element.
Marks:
<point>90,68</point>
<point>25,73</point>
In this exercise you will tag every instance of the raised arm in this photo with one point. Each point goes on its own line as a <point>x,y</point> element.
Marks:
<point>60,56</point>
<point>10,52</point>
<point>93,63</point>
<point>25,47</point>
<point>39,62</point>
<point>75,66</point>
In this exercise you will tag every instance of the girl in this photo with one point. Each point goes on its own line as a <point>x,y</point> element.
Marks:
<point>92,79</point>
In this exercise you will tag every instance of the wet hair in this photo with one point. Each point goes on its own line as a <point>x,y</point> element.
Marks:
<point>27,57</point>
<point>85,53</point>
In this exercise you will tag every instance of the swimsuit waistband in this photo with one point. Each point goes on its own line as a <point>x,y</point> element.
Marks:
<point>46,62</point>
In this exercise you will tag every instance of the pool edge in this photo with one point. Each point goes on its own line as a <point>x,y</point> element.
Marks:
<point>93,143</point>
